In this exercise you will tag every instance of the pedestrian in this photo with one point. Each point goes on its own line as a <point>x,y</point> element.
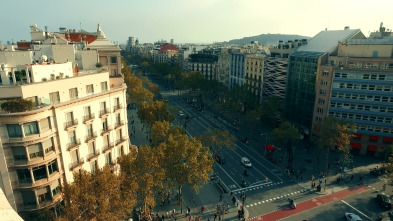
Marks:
<point>162,217</point>
<point>187,213</point>
<point>325,181</point>
<point>237,202</point>
<point>220,196</point>
<point>384,187</point>
<point>219,217</point>
<point>215,216</point>
<point>174,211</point>
<point>351,177</point>
<point>170,214</point>
<point>189,218</point>
<point>199,218</point>
<point>301,178</point>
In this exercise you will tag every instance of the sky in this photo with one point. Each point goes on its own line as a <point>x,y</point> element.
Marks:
<point>192,21</point>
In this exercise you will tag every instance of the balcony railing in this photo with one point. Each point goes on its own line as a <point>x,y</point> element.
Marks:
<point>74,145</point>
<point>70,124</point>
<point>88,118</point>
<point>76,164</point>
<point>121,140</point>
<point>91,137</point>
<point>119,124</point>
<point>106,130</point>
<point>117,107</point>
<point>108,147</point>
<point>91,156</point>
<point>104,112</point>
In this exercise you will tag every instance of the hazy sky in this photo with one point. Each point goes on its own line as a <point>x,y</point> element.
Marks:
<point>192,21</point>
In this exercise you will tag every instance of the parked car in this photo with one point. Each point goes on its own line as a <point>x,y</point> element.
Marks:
<point>246,162</point>
<point>352,217</point>
<point>384,201</point>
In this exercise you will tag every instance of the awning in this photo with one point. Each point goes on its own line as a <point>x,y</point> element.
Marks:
<point>356,135</point>
<point>372,147</point>
<point>374,138</point>
<point>269,147</point>
<point>356,145</point>
<point>387,140</point>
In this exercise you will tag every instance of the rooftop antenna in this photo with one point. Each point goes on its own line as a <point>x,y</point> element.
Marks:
<point>80,26</point>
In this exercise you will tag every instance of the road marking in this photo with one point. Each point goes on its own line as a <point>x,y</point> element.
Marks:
<point>356,210</point>
<point>227,175</point>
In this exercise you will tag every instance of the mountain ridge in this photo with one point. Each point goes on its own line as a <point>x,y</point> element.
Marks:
<point>266,39</point>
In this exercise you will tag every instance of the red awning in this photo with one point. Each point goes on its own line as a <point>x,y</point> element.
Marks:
<point>356,145</point>
<point>357,135</point>
<point>387,140</point>
<point>269,147</point>
<point>375,138</point>
<point>372,147</point>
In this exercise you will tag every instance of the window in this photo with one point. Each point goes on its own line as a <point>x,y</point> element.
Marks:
<point>117,102</point>
<point>323,82</point>
<point>322,92</point>
<point>54,97</point>
<point>320,110</point>
<point>19,153</point>
<point>52,167</point>
<point>93,166</point>
<point>113,60</point>
<point>91,148</point>
<point>321,101</point>
<point>35,150</point>
<point>118,119</point>
<point>30,128</point>
<point>47,145</point>
<point>74,156</point>
<point>105,125</point>
<point>39,172</point>
<point>108,158</point>
<point>43,194</point>
<point>325,73</point>
<point>72,137</point>
<point>45,124</point>
<point>55,187</point>
<point>14,130</point>
<point>24,176</point>
<point>69,118</point>
<point>104,86</point>
<point>89,130</point>
<point>28,197</point>
<point>121,150</point>
<point>89,89</point>
<point>73,93</point>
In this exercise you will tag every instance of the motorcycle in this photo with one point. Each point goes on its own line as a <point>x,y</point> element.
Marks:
<point>244,184</point>
<point>292,203</point>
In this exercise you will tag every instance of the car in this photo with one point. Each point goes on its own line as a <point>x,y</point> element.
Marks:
<point>352,217</point>
<point>246,162</point>
<point>181,114</point>
<point>384,201</point>
<point>220,159</point>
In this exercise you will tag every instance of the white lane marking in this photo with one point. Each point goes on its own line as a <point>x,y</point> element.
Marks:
<point>356,210</point>
<point>228,176</point>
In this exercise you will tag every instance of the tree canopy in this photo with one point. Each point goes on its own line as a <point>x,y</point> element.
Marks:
<point>286,136</point>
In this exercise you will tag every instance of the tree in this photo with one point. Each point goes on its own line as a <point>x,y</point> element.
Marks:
<point>144,169</point>
<point>17,105</point>
<point>186,161</point>
<point>286,136</point>
<point>218,140</point>
<point>152,112</point>
<point>334,134</point>
<point>101,196</point>
<point>386,152</point>
<point>161,131</point>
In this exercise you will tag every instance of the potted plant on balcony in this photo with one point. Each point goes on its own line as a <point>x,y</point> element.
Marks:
<point>17,105</point>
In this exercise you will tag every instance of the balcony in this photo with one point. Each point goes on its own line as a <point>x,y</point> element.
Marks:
<point>70,124</point>
<point>107,148</point>
<point>121,140</point>
<point>106,130</point>
<point>88,118</point>
<point>117,107</point>
<point>76,164</point>
<point>119,124</point>
<point>104,113</point>
<point>72,146</point>
<point>94,155</point>
<point>91,137</point>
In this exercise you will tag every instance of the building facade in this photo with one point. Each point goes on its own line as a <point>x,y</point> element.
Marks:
<point>254,73</point>
<point>78,121</point>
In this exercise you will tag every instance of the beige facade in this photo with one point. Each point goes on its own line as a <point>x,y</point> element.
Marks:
<point>254,73</point>
<point>79,121</point>
<point>223,64</point>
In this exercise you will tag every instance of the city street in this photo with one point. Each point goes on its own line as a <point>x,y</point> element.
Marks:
<point>268,186</point>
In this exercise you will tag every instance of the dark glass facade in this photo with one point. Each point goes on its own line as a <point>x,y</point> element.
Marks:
<point>300,87</point>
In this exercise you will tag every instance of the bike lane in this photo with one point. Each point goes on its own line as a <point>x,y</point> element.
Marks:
<point>312,203</point>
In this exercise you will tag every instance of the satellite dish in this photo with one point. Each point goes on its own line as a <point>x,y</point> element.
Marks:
<point>44,58</point>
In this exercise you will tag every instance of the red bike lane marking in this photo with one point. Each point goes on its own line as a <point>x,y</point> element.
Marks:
<point>312,203</point>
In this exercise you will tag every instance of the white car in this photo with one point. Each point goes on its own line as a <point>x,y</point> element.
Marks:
<point>181,114</point>
<point>246,162</point>
<point>352,217</point>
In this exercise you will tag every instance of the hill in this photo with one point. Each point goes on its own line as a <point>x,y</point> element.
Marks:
<point>266,39</point>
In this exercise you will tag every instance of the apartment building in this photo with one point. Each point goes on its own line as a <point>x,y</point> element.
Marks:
<point>78,121</point>
<point>254,66</point>
<point>359,80</point>
<point>302,78</point>
<point>237,68</point>
<point>204,62</point>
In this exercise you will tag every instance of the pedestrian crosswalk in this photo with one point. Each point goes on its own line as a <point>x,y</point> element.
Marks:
<point>276,198</point>
<point>255,187</point>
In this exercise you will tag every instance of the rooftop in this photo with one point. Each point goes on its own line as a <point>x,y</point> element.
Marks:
<point>327,41</point>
